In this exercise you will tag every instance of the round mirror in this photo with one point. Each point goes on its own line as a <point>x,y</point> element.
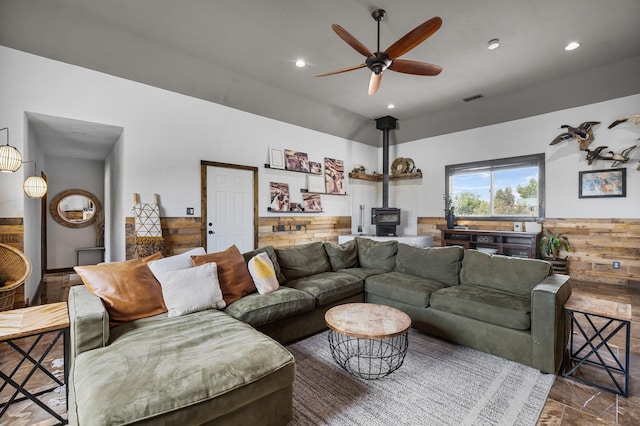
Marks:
<point>75,208</point>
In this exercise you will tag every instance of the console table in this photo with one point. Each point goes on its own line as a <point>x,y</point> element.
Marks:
<point>35,321</point>
<point>508,243</point>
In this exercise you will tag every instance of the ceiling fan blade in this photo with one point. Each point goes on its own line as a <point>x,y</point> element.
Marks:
<point>351,40</point>
<point>357,67</point>
<point>414,37</point>
<point>374,83</point>
<point>415,67</point>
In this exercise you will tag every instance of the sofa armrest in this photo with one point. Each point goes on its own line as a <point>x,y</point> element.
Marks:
<point>88,321</point>
<point>547,322</point>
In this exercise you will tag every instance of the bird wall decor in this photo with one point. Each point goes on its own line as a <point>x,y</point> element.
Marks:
<point>622,157</point>
<point>593,155</point>
<point>633,119</point>
<point>583,134</point>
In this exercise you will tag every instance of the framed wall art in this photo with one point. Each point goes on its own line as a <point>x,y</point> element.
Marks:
<point>603,183</point>
<point>279,196</point>
<point>296,161</point>
<point>334,176</point>
<point>312,202</point>
<point>276,158</point>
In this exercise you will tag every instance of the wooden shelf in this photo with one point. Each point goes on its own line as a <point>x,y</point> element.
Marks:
<point>306,191</point>
<point>377,177</point>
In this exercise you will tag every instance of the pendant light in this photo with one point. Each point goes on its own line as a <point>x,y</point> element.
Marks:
<point>34,186</point>
<point>10,157</point>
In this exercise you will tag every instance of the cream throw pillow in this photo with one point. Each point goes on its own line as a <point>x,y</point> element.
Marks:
<point>263,273</point>
<point>174,263</point>
<point>191,290</point>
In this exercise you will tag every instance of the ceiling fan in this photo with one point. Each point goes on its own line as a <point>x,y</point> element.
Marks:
<point>379,61</point>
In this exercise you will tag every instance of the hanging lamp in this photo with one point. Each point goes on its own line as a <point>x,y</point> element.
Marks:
<point>10,157</point>
<point>34,186</point>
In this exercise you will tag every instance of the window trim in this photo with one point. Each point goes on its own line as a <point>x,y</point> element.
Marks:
<point>510,162</point>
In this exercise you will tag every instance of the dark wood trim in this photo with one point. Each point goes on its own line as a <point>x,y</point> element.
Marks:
<point>11,221</point>
<point>203,197</point>
<point>59,270</point>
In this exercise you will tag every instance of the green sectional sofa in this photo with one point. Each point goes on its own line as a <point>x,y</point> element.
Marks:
<point>228,367</point>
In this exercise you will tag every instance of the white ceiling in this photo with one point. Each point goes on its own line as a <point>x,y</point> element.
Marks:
<point>241,53</point>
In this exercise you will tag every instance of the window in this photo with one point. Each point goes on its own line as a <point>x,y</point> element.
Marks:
<point>506,188</point>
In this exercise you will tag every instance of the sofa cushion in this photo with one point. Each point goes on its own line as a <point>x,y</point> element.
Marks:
<point>271,252</point>
<point>303,260</point>
<point>191,290</point>
<point>257,310</point>
<point>377,254</point>
<point>128,289</point>
<point>436,263</point>
<point>503,273</point>
<point>363,272</point>
<point>402,287</point>
<point>175,263</point>
<point>342,256</point>
<point>233,274</point>
<point>329,287</point>
<point>182,370</point>
<point>494,307</point>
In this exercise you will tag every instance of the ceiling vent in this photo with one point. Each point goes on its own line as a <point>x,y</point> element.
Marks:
<point>473,98</point>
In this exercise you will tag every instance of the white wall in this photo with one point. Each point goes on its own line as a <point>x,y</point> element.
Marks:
<point>530,136</point>
<point>165,136</point>
<point>65,174</point>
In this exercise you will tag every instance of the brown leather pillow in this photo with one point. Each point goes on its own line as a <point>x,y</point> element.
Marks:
<point>233,274</point>
<point>128,289</point>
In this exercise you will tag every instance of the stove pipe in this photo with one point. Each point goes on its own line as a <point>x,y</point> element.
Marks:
<point>385,124</point>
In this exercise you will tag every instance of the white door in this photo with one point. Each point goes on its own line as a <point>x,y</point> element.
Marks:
<point>229,209</point>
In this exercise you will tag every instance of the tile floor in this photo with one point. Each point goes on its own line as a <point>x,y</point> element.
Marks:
<point>569,402</point>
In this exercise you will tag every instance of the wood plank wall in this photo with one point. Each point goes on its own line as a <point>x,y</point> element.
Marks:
<point>183,233</point>
<point>595,243</point>
<point>12,234</point>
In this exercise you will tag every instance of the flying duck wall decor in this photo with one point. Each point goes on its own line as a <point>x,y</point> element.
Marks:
<point>593,155</point>
<point>583,134</point>
<point>633,119</point>
<point>622,157</point>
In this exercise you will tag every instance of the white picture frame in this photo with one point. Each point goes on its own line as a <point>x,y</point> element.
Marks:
<point>276,158</point>
<point>315,183</point>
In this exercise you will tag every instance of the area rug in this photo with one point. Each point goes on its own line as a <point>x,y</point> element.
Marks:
<point>440,383</point>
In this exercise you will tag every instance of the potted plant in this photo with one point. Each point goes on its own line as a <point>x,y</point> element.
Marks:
<point>449,211</point>
<point>550,245</point>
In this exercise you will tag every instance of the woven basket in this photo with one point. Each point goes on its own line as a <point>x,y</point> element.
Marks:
<point>16,268</point>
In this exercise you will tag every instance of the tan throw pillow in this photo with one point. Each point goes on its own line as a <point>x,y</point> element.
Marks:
<point>191,290</point>
<point>263,273</point>
<point>233,275</point>
<point>128,289</point>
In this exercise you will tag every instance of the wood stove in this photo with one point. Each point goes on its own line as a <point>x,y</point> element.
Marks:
<point>385,219</point>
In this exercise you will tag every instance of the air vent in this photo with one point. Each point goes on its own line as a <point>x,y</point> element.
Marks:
<point>473,98</point>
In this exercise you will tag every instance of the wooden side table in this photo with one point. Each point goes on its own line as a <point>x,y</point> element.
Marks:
<point>34,321</point>
<point>597,321</point>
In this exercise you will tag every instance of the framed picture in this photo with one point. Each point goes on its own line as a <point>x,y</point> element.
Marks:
<point>276,158</point>
<point>279,196</point>
<point>603,183</point>
<point>315,168</point>
<point>334,176</point>
<point>312,202</point>
<point>296,161</point>
<point>295,207</point>
<point>315,184</point>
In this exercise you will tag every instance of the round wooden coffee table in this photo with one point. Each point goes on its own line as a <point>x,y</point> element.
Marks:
<point>368,340</point>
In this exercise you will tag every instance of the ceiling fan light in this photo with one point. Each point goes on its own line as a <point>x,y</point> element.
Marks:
<point>572,46</point>
<point>35,187</point>
<point>300,63</point>
<point>391,106</point>
<point>494,43</point>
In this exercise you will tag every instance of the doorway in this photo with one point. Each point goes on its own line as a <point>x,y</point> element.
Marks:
<point>229,194</point>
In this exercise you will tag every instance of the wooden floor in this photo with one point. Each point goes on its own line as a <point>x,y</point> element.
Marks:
<point>569,402</point>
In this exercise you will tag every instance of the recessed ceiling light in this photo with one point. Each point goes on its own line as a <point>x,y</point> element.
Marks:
<point>391,106</point>
<point>494,43</point>
<point>300,63</point>
<point>572,46</point>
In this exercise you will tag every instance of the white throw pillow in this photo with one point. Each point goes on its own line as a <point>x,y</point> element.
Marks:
<point>191,290</point>
<point>174,263</point>
<point>263,273</point>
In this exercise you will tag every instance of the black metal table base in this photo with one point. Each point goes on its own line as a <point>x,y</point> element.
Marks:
<point>368,358</point>
<point>20,388</point>
<point>597,339</point>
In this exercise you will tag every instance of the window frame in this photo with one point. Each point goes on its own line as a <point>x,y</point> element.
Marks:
<point>533,160</point>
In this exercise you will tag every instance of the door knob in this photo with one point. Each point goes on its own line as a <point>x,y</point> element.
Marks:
<point>210,232</point>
